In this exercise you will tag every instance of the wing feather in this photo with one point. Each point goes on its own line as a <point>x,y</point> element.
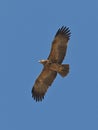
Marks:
<point>42,83</point>
<point>59,45</point>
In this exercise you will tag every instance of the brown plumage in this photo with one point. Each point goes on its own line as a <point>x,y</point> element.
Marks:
<point>52,65</point>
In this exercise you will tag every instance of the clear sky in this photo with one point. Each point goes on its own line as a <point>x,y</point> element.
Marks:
<point>27,28</point>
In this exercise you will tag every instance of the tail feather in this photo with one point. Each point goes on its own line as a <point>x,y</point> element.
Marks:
<point>63,70</point>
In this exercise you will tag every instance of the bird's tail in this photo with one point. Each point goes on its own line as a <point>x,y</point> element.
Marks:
<point>63,70</point>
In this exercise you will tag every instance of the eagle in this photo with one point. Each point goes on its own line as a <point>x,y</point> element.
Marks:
<point>53,64</point>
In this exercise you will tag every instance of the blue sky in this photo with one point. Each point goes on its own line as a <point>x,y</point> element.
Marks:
<point>27,28</point>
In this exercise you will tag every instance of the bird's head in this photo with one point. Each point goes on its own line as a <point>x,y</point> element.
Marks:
<point>43,61</point>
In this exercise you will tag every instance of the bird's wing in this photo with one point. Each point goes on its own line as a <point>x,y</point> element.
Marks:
<point>42,83</point>
<point>59,45</point>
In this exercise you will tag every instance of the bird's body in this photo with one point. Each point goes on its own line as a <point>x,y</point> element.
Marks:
<point>52,65</point>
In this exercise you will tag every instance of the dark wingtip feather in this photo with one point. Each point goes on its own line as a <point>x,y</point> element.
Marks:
<point>64,31</point>
<point>37,96</point>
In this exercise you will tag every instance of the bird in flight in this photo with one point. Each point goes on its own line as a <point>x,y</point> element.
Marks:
<point>53,64</point>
